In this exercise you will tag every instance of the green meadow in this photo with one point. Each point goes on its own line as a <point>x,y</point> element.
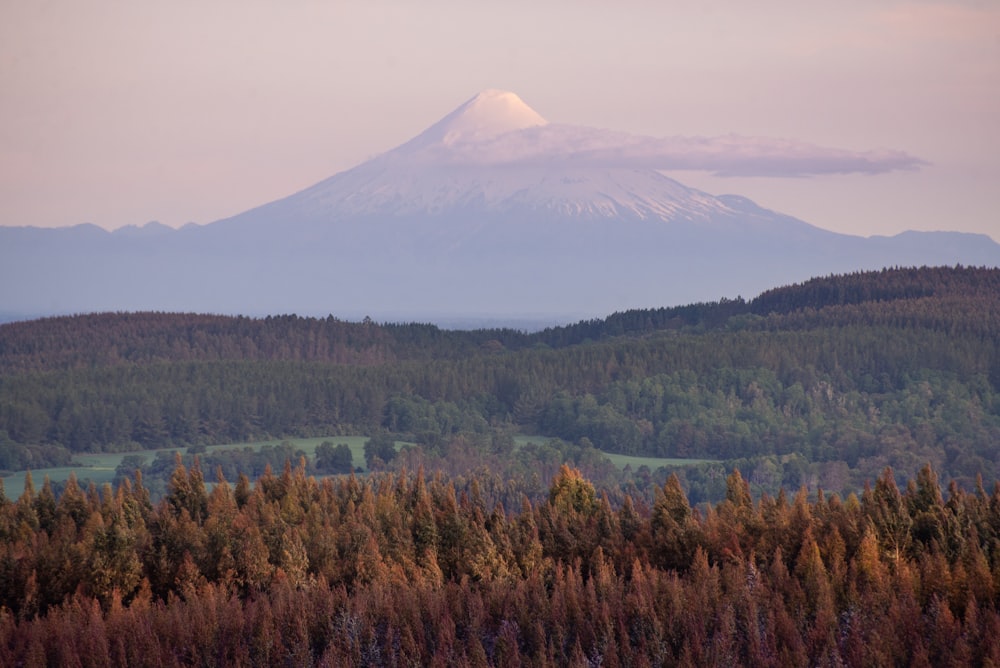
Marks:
<point>621,461</point>
<point>100,468</point>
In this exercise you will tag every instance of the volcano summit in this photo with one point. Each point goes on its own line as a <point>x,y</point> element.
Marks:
<point>490,212</point>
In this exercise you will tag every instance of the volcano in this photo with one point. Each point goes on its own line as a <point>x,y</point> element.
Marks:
<point>492,155</point>
<point>492,212</point>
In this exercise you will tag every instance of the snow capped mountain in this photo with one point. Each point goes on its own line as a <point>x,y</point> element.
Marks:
<point>494,156</point>
<point>490,212</point>
<point>485,116</point>
<point>383,187</point>
<point>488,155</point>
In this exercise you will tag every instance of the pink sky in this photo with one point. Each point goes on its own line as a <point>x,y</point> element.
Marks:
<point>119,113</point>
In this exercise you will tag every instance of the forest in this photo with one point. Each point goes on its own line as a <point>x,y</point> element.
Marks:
<point>841,507</point>
<point>401,569</point>
<point>822,384</point>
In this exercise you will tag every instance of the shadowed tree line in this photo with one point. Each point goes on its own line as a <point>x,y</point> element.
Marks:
<point>108,339</point>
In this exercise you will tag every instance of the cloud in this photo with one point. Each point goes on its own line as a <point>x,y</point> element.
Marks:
<point>729,155</point>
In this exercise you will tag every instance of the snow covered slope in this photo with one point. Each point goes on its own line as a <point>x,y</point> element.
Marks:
<point>497,155</point>
<point>487,115</point>
<point>490,212</point>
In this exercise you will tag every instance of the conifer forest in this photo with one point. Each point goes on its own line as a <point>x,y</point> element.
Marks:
<point>821,486</point>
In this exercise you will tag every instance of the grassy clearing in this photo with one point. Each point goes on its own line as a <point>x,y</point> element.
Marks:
<point>521,440</point>
<point>100,468</point>
<point>306,445</point>
<point>652,462</point>
<point>622,460</point>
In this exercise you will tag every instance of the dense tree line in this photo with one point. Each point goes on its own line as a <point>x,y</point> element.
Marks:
<point>897,368</point>
<point>887,285</point>
<point>105,339</point>
<point>397,569</point>
<point>109,339</point>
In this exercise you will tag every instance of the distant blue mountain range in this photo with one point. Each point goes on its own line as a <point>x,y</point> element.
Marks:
<point>416,235</point>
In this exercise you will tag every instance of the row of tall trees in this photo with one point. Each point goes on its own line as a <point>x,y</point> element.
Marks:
<point>941,297</point>
<point>398,568</point>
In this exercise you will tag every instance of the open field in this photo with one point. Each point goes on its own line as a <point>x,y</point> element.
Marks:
<point>622,460</point>
<point>652,462</point>
<point>100,468</point>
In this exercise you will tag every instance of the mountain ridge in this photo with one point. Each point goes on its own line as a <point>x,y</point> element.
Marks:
<point>969,297</point>
<point>489,211</point>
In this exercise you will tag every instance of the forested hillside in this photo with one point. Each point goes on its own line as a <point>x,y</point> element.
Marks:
<point>808,525</point>
<point>106,339</point>
<point>822,384</point>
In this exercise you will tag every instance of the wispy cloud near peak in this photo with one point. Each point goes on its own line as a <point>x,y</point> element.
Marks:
<point>727,155</point>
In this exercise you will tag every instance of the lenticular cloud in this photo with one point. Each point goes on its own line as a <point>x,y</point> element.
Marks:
<point>497,128</point>
<point>729,155</point>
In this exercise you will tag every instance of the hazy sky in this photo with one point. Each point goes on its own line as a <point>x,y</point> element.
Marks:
<point>123,112</point>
